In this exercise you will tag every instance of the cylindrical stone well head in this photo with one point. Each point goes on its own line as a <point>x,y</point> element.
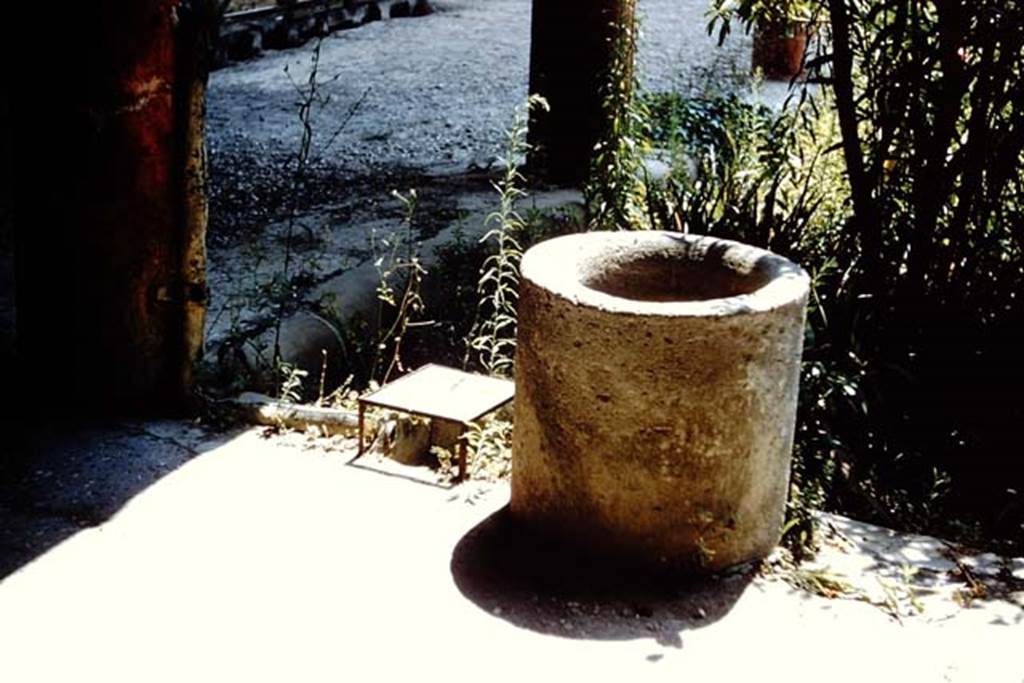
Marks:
<point>656,389</point>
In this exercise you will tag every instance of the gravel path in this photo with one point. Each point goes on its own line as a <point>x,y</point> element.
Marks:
<point>437,94</point>
<point>435,97</point>
<point>434,90</point>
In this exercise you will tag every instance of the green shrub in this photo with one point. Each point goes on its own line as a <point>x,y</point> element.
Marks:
<point>899,187</point>
<point>928,97</point>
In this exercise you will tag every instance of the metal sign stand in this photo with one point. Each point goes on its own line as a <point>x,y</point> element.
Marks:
<point>440,393</point>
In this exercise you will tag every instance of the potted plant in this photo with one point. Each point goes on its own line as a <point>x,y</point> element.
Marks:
<point>781,31</point>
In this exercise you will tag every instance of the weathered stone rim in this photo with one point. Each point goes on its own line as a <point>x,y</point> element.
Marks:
<point>564,265</point>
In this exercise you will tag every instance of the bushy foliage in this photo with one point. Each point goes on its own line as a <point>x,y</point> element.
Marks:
<point>899,186</point>
<point>928,96</point>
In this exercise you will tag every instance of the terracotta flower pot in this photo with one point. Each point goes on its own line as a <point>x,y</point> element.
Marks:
<point>779,50</point>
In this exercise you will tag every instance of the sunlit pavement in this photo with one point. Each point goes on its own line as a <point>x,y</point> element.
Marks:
<point>273,559</point>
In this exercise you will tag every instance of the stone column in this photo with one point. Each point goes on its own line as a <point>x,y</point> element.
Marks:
<point>109,214</point>
<point>571,52</point>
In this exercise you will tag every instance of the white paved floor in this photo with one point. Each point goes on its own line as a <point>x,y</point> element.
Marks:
<point>270,560</point>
